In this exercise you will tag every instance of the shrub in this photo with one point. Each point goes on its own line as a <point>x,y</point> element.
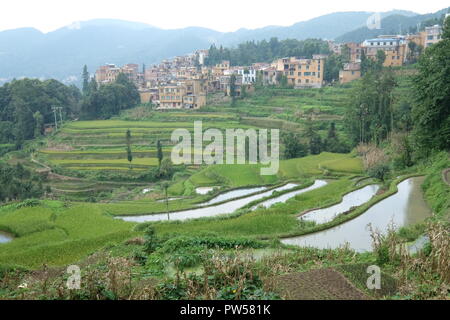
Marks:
<point>150,239</point>
<point>379,171</point>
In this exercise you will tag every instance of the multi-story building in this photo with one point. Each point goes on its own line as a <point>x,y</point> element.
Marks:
<point>302,73</point>
<point>269,76</point>
<point>171,96</point>
<point>354,51</point>
<point>350,71</point>
<point>201,56</point>
<point>188,94</point>
<point>394,48</point>
<point>219,69</point>
<point>149,95</point>
<point>431,35</point>
<point>334,47</point>
<point>248,74</point>
<point>108,73</point>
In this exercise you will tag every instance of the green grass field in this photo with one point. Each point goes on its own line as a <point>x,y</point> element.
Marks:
<point>53,234</point>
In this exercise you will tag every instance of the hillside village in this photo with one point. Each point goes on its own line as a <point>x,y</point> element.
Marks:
<point>184,81</point>
<point>154,182</point>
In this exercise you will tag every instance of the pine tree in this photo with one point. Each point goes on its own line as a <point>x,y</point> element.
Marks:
<point>85,77</point>
<point>159,152</point>
<point>129,154</point>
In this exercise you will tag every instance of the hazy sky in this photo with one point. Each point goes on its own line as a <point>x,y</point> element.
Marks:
<point>226,15</point>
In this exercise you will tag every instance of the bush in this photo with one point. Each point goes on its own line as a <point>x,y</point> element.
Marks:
<point>150,240</point>
<point>379,171</point>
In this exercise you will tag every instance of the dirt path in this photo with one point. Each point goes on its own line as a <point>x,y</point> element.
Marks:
<point>319,284</point>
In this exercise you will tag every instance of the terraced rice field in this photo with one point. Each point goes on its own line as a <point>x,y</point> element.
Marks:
<point>101,145</point>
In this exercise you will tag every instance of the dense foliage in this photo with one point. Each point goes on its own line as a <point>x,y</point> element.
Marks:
<point>266,51</point>
<point>26,106</point>
<point>18,183</point>
<point>370,117</point>
<point>431,111</point>
<point>109,99</point>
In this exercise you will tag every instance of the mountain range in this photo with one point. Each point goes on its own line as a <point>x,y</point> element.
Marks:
<point>61,54</point>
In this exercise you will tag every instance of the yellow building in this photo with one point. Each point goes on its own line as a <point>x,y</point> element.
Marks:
<point>219,69</point>
<point>188,94</point>
<point>350,72</point>
<point>431,35</point>
<point>394,47</point>
<point>171,96</point>
<point>301,73</point>
<point>354,50</point>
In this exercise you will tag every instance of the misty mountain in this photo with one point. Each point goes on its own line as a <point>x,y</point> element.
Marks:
<point>61,54</point>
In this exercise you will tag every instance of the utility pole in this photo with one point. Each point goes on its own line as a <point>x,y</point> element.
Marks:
<point>60,115</point>
<point>56,121</point>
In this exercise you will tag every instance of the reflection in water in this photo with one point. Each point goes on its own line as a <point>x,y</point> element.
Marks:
<point>286,196</point>
<point>232,194</point>
<point>403,208</point>
<point>4,237</point>
<point>224,208</point>
<point>203,190</point>
<point>352,199</point>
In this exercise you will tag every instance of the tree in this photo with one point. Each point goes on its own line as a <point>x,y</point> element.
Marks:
<point>379,171</point>
<point>165,187</point>
<point>159,152</point>
<point>20,100</point>
<point>165,170</point>
<point>243,91</point>
<point>293,148</point>
<point>370,113</point>
<point>431,111</point>
<point>314,140</point>
<point>333,64</point>
<point>150,239</point>
<point>85,77</point>
<point>39,124</point>
<point>129,154</point>
<point>380,58</point>
<point>233,89</point>
<point>109,99</point>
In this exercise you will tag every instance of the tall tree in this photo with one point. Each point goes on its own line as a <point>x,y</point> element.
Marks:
<point>85,77</point>
<point>369,117</point>
<point>39,124</point>
<point>159,152</point>
<point>233,89</point>
<point>129,154</point>
<point>293,147</point>
<point>314,140</point>
<point>431,110</point>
